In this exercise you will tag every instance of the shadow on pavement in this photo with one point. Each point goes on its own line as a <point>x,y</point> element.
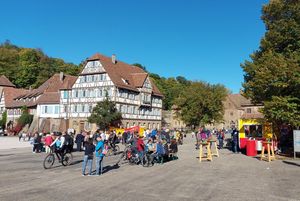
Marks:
<point>110,167</point>
<point>291,163</point>
<point>76,162</point>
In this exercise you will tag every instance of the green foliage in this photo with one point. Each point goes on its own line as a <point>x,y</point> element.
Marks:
<point>170,88</point>
<point>283,109</point>
<point>27,67</point>
<point>201,104</point>
<point>25,117</point>
<point>273,75</point>
<point>3,119</point>
<point>140,66</point>
<point>105,114</point>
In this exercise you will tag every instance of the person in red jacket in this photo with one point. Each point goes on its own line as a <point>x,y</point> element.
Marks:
<point>140,147</point>
<point>48,142</point>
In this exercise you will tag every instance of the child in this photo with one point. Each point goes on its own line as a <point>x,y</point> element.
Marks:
<point>88,156</point>
<point>160,151</point>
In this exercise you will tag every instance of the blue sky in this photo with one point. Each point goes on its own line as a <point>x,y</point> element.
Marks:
<point>198,39</point>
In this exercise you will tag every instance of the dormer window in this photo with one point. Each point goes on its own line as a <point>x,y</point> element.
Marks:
<point>125,81</point>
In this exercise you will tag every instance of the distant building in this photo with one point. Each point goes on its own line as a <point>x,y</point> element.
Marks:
<point>7,93</point>
<point>171,121</point>
<point>130,87</point>
<point>236,107</point>
<point>43,103</point>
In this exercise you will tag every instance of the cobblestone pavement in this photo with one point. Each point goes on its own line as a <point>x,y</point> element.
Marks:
<point>229,177</point>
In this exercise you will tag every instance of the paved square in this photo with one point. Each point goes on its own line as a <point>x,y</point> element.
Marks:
<point>229,177</point>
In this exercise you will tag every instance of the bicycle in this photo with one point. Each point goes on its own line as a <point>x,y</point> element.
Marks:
<point>113,150</point>
<point>124,154</point>
<point>50,159</point>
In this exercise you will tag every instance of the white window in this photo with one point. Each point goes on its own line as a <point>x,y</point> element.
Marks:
<point>86,108</point>
<point>44,109</point>
<point>66,94</point>
<point>56,109</point>
<point>90,108</point>
<point>75,108</point>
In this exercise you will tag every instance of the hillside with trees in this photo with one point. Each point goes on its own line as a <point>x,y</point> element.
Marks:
<point>28,67</point>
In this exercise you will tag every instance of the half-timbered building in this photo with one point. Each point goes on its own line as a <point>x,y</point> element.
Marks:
<point>130,87</point>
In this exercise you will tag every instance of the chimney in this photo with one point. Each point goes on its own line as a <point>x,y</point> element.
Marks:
<point>113,59</point>
<point>61,76</point>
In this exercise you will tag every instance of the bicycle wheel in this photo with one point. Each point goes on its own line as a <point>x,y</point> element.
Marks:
<point>49,161</point>
<point>117,149</point>
<point>146,161</point>
<point>68,159</point>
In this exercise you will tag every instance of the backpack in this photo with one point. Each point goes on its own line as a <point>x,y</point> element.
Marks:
<point>68,140</point>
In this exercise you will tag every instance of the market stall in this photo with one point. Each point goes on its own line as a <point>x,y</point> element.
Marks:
<point>253,130</point>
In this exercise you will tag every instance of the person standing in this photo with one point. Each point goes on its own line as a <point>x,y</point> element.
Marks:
<point>88,156</point>
<point>220,136</point>
<point>48,142</point>
<point>160,151</point>
<point>69,142</point>
<point>103,136</point>
<point>35,143</point>
<point>79,141</point>
<point>99,155</point>
<point>173,149</point>
<point>234,137</point>
<point>140,147</point>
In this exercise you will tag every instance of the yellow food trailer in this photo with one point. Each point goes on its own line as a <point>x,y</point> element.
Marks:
<point>253,126</point>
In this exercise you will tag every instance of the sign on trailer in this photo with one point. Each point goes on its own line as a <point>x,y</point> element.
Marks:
<point>296,142</point>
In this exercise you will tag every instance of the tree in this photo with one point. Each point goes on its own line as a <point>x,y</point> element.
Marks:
<point>272,77</point>
<point>140,66</point>
<point>25,117</point>
<point>201,104</point>
<point>3,120</point>
<point>105,114</point>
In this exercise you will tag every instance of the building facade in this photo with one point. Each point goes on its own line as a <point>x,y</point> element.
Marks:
<point>130,87</point>
<point>43,103</point>
<point>236,107</point>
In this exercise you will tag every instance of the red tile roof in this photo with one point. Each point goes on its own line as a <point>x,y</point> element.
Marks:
<point>10,93</point>
<point>139,79</point>
<point>238,100</point>
<point>47,93</point>
<point>133,76</point>
<point>49,98</point>
<point>4,81</point>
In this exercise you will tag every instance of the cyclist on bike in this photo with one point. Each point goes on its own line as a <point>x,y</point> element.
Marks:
<point>58,145</point>
<point>112,140</point>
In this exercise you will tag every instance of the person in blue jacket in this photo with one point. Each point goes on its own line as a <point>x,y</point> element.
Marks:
<point>99,155</point>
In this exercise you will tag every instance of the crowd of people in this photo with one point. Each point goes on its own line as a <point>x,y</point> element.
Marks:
<point>159,146</point>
